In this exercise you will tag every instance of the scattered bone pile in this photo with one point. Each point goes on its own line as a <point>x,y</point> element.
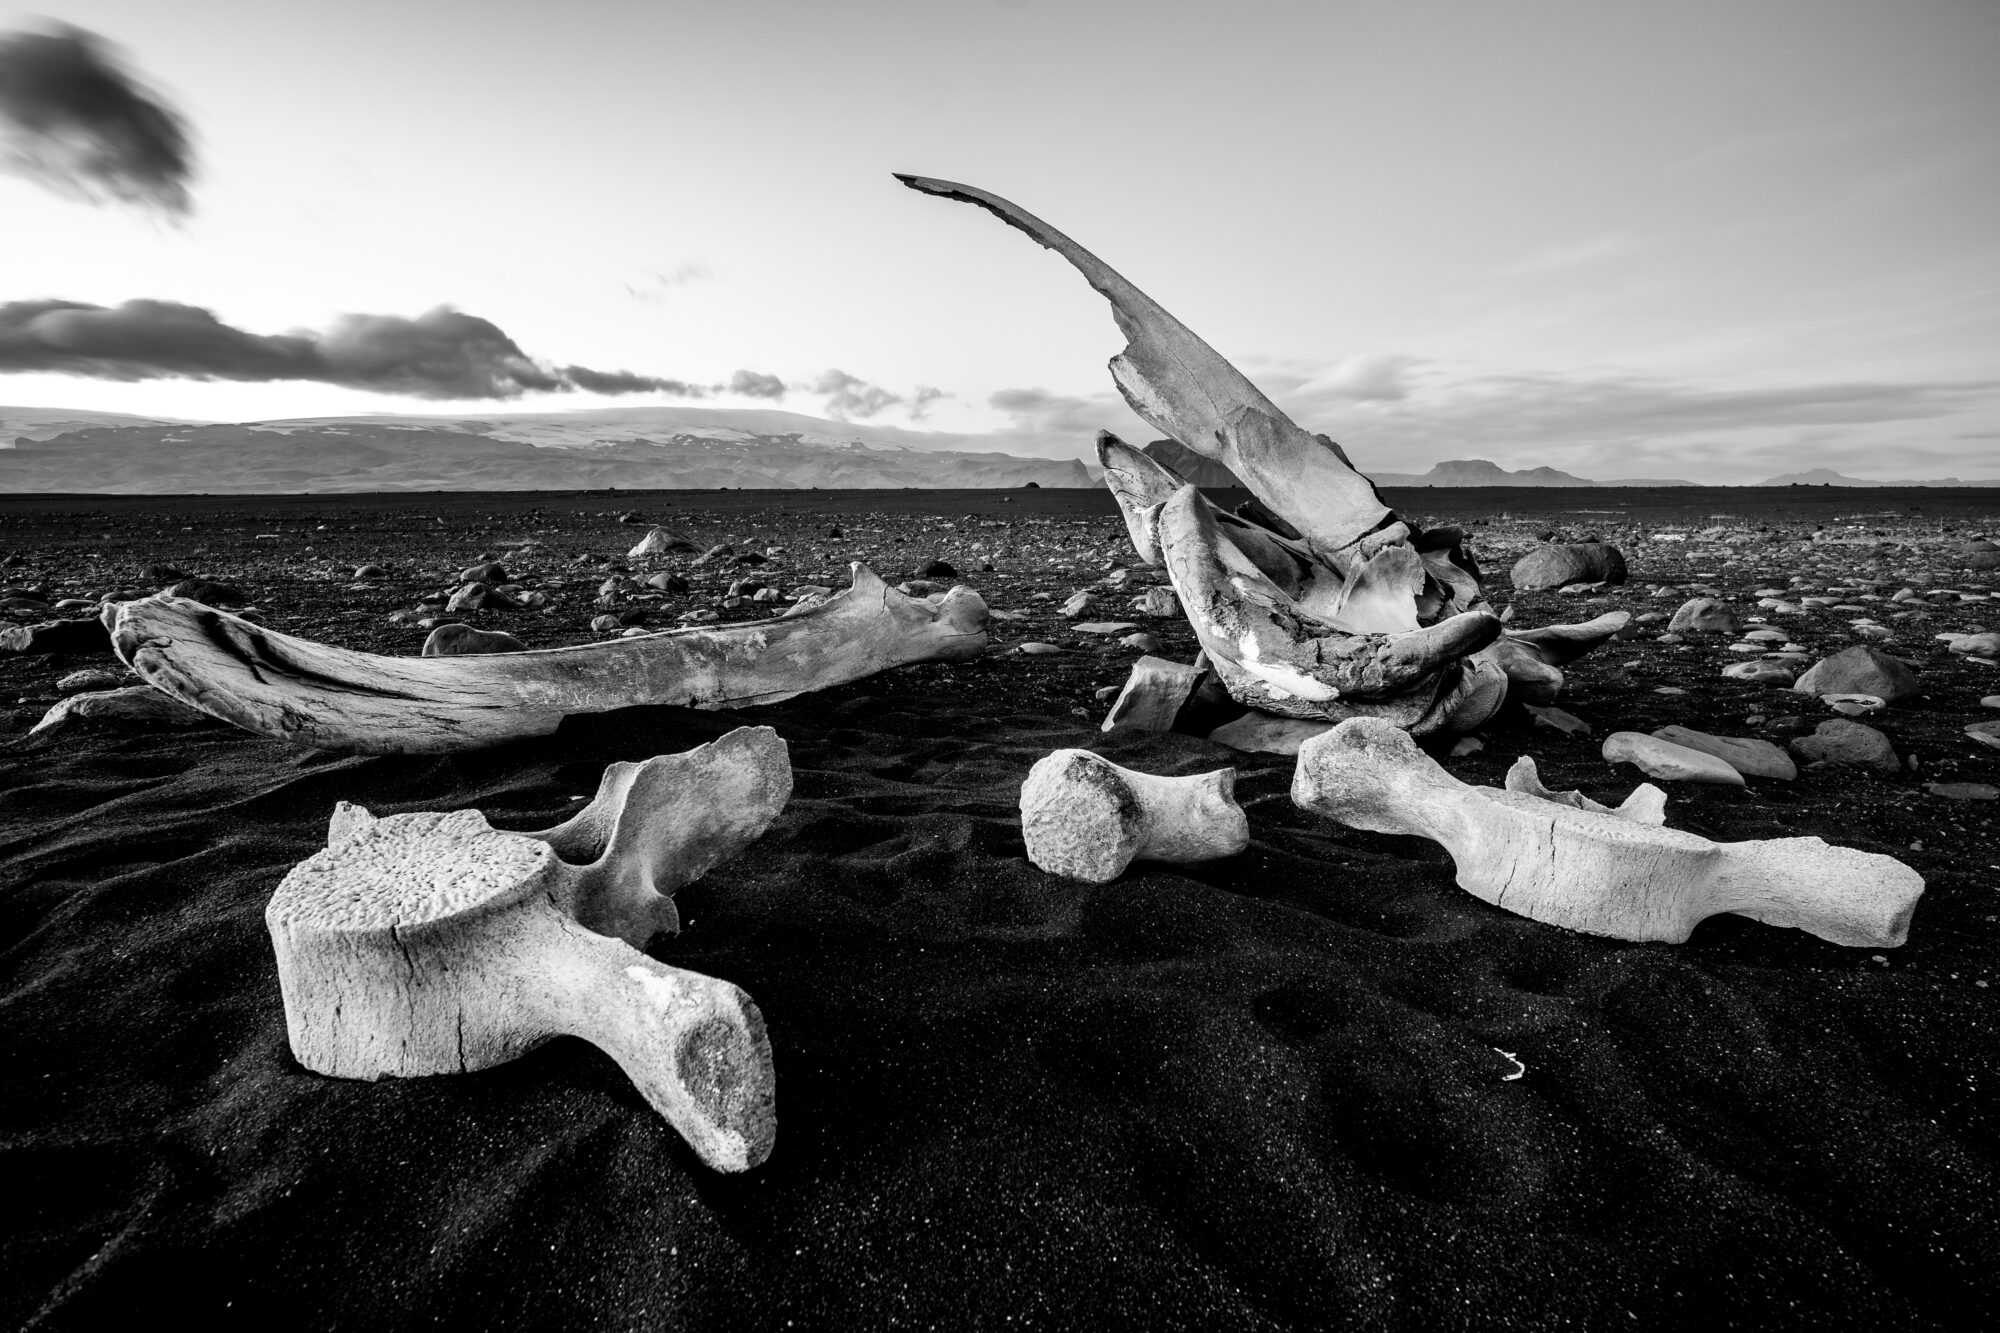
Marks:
<point>1315,622</point>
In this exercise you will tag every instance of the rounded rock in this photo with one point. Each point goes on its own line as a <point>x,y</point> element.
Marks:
<point>490,572</point>
<point>1555,566</point>
<point>465,641</point>
<point>1704,615</point>
<point>1860,670</point>
<point>1758,673</point>
<point>1841,741</point>
<point>1668,762</point>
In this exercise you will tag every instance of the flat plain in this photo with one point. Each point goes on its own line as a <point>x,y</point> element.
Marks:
<point>1274,1091</point>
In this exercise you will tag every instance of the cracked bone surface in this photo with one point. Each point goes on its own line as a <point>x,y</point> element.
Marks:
<point>1598,871</point>
<point>1275,656</point>
<point>1086,818</point>
<point>337,699</point>
<point>433,943</point>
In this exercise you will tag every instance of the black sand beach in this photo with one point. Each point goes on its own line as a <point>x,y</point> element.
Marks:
<point>1276,1091</point>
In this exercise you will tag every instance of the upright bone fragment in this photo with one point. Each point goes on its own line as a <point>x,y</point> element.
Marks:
<point>1183,387</point>
<point>1084,817</point>
<point>1153,695</point>
<point>336,699</point>
<point>432,944</point>
<point>1596,871</point>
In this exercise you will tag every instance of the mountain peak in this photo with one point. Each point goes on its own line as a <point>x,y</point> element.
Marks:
<point>1480,472</point>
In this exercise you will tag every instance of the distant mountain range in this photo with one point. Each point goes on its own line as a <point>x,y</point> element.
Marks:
<point>1820,476</point>
<point>42,423</point>
<point>1479,472</point>
<point>628,448</point>
<point>526,451</point>
<point>1457,472</point>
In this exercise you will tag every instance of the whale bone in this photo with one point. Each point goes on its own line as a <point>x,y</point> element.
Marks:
<point>433,943</point>
<point>1086,818</point>
<point>1596,871</point>
<point>337,699</point>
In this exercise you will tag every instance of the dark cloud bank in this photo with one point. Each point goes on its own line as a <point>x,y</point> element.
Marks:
<point>75,119</point>
<point>443,354</point>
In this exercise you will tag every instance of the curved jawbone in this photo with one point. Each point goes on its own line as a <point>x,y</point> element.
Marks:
<point>337,699</point>
<point>1273,655</point>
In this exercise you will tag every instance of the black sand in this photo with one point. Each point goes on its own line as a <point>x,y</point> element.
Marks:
<point>1267,1092</point>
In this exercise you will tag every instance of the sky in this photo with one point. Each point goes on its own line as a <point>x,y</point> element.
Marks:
<point>1713,241</point>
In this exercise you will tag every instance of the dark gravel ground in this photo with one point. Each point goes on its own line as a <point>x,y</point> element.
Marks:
<point>1266,1092</point>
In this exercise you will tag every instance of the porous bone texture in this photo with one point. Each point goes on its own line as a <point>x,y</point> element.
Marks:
<point>408,870</point>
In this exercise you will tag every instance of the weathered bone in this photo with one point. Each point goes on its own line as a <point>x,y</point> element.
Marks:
<point>1530,679</point>
<point>1533,658</point>
<point>1646,805</point>
<point>666,822</point>
<point>1141,484</point>
<point>432,944</point>
<point>1178,383</point>
<point>129,706</point>
<point>1275,656</point>
<point>653,827</point>
<point>1559,645</point>
<point>1153,695</point>
<point>1085,817</point>
<point>1413,587</point>
<point>1331,554</point>
<point>1595,871</point>
<point>336,699</point>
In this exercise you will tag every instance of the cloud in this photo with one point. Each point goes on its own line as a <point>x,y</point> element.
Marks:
<point>624,381</point>
<point>1042,412</point>
<point>1608,424</point>
<point>756,384</point>
<point>441,354</point>
<point>655,286</point>
<point>78,122</point>
<point>921,400</point>
<point>850,398</point>
<point>1362,379</point>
